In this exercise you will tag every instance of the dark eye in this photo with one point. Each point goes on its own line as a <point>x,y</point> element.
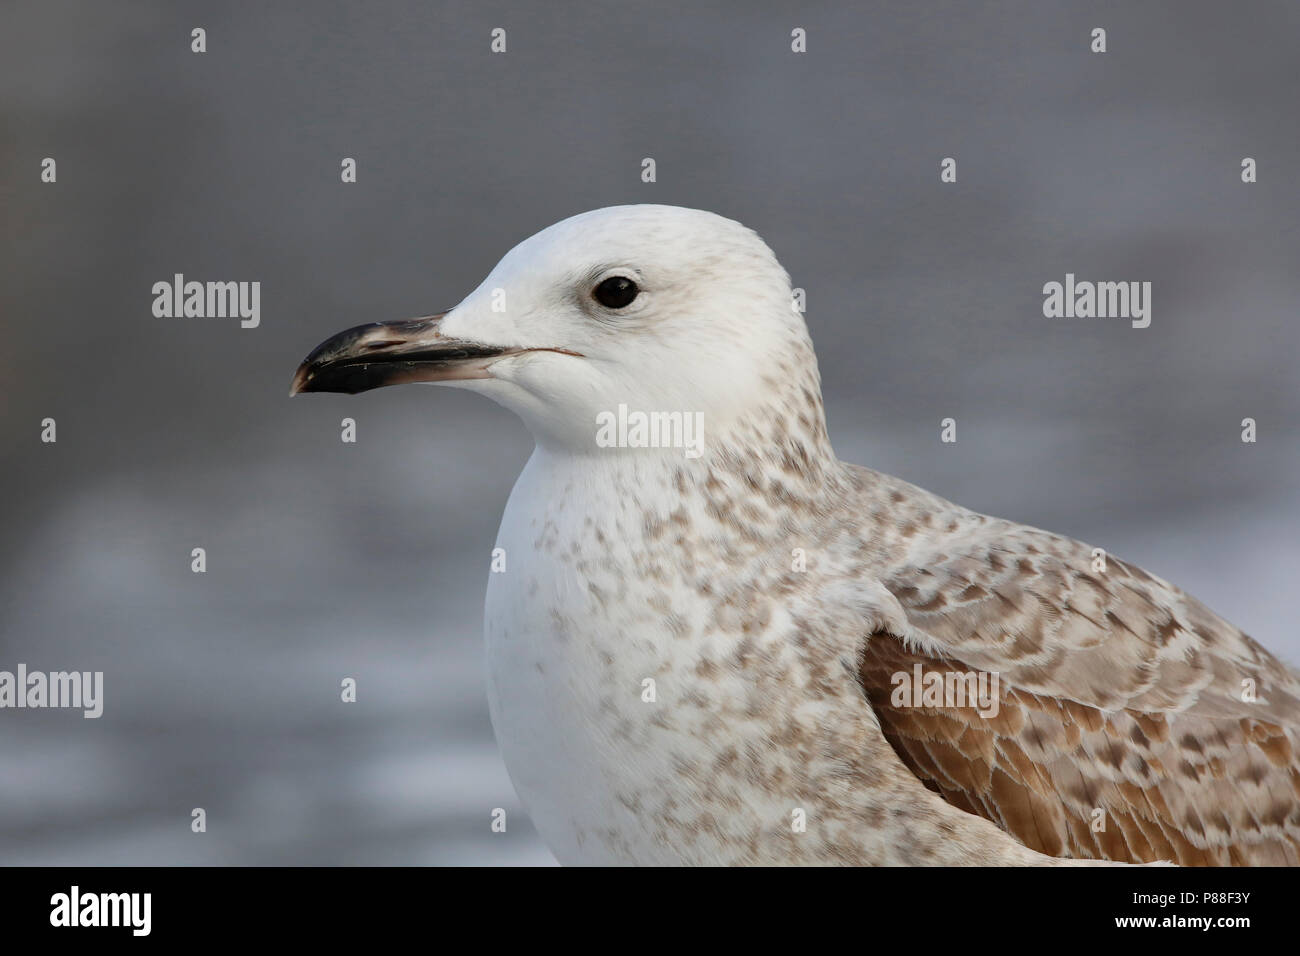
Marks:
<point>616,292</point>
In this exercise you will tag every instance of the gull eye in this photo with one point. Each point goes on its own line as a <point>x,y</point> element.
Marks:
<point>616,292</point>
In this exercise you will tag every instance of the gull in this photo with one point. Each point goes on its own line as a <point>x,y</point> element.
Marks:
<point>714,658</point>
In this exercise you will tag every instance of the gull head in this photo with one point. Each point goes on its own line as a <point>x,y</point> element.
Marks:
<point>655,309</point>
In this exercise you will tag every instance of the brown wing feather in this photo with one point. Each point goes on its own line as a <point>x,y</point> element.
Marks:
<point>1186,788</point>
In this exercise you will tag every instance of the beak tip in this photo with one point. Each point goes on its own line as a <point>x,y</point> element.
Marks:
<point>300,379</point>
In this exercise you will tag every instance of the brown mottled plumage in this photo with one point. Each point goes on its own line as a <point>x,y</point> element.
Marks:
<point>1119,694</point>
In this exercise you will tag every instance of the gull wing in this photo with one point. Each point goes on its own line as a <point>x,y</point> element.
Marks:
<point>1132,723</point>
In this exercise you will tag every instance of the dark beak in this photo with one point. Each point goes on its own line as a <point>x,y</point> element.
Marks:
<point>391,353</point>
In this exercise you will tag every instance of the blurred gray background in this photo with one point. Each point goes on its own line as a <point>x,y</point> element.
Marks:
<point>328,560</point>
